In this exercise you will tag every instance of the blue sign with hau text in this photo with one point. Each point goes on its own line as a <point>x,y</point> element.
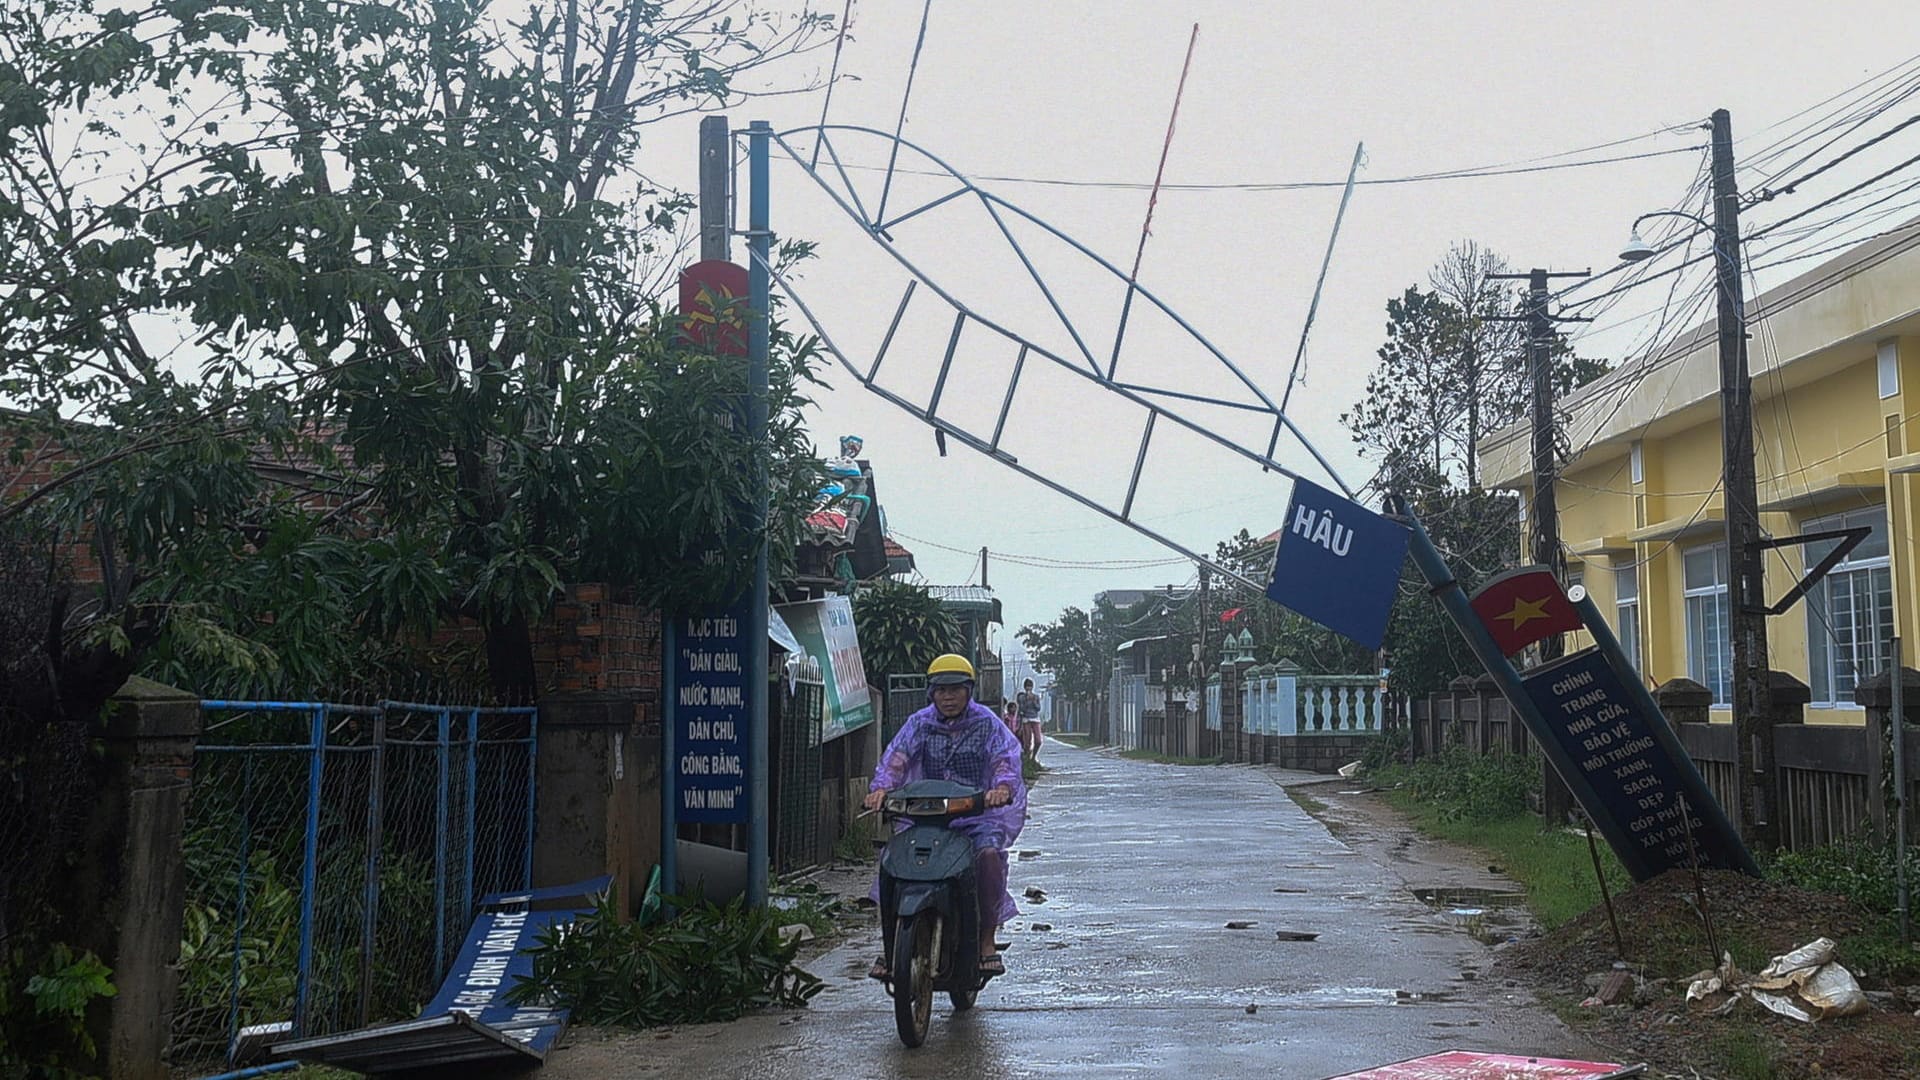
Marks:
<point>1338,563</point>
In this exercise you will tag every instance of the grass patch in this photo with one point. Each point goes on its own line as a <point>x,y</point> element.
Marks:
<point>1554,867</point>
<point>1167,759</point>
<point>1073,738</point>
<point>1030,770</point>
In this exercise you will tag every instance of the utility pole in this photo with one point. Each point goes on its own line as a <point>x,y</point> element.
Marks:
<point>1746,597</point>
<point>716,171</point>
<point>759,348</point>
<point>983,568</point>
<point>1198,721</point>
<point>1556,800</point>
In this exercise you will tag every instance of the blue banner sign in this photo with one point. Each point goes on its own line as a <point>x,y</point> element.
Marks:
<point>490,963</point>
<point>1338,563</point>
<point>1638,773</point>
<point>709,714</point>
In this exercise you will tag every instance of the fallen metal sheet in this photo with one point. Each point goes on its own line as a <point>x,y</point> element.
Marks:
<point>1471,1065</point>
<point>468,1020</point>
<point>447,1039</point>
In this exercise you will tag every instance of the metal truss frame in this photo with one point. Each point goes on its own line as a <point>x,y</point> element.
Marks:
<point>1159,402</point>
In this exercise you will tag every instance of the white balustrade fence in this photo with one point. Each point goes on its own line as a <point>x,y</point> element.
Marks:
<point>1277,703</point>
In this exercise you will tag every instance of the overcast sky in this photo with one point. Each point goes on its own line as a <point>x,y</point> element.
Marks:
<point>1277,92</point>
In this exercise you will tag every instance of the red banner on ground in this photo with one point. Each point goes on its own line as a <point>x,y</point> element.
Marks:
<point>1522,606</point>
<point>1469,1065</point>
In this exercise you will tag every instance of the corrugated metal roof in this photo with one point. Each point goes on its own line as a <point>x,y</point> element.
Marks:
<point>978,594</point>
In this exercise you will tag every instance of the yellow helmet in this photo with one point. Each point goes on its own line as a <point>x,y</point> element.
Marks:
<point>949,669</point>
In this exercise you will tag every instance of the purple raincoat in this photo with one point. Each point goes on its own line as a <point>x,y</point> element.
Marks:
<point>975,749</point>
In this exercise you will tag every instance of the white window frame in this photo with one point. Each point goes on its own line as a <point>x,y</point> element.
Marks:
<point>1636,463</point>
<point>1700,596</point>
<point>1888,355</point>
<point>1626,611</point>
<point>1823,648</point>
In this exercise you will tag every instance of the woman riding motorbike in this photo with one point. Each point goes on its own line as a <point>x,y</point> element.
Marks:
<point>956,738</point>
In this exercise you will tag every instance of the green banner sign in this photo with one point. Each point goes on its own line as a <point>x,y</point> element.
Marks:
<point>824,628</point>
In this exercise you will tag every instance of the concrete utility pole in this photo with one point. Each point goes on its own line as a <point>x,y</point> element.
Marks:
<point>1200,668</point>
<point>1746,597</point>
<point>1557,801</point>
<point>716,172</point>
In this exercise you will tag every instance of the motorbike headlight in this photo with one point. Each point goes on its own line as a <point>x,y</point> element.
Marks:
<point>896,805</point>
<point>964,805</point>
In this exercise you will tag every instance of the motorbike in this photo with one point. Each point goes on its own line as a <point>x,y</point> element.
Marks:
<point>929,917</point>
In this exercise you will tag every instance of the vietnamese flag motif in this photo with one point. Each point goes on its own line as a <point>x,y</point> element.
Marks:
<point>1522,606</point>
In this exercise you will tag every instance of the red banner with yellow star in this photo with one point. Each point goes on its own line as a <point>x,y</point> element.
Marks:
<point>1522,606</point>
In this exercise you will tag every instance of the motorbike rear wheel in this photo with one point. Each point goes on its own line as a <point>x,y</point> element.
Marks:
<point>913,964</point>
<point>962,999</point>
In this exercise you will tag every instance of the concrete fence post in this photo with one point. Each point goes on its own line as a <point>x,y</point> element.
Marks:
<point>130,875</point>
<point>1875,695</point>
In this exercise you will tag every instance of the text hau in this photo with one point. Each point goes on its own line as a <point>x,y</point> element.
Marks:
<point>1338,563</point>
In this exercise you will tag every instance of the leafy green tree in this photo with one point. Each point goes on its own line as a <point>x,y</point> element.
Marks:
<point>407,247</point>
<point>1454,368</point>
<point>901,627</point>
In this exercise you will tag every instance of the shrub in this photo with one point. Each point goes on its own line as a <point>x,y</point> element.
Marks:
<point>1462,785</point>
<point>709,962</point>
<point>1857,868</point>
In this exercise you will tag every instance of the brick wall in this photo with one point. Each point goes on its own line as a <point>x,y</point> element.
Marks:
<point>589,642</point>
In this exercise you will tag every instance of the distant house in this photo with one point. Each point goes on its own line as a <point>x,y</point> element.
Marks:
<point>977,611</point>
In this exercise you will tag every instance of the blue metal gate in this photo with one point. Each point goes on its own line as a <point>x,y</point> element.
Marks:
<point>334,854</point>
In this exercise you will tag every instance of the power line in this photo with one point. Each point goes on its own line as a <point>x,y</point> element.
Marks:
<point>1297,185</point>
<point>1046,562</point>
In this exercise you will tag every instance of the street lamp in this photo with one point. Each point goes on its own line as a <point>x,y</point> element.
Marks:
<point>1638,250</point>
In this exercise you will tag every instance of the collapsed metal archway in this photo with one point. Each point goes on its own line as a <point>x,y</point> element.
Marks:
<point>1180,406</point>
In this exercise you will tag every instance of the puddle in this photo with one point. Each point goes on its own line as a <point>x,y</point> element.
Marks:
<point>1489,915</point>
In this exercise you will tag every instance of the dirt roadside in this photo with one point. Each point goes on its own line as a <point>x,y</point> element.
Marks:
<point>1653,1025</point>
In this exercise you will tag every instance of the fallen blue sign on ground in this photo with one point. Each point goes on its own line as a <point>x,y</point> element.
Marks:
<point>1338,563</point>
<point>469,1020</point>
<point>1648,798</point>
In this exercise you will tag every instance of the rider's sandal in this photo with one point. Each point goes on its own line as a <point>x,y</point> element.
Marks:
<point>878,970</point>
<point>992,965</point>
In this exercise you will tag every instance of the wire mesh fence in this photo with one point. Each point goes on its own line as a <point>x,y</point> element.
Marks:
<point>334,854</point>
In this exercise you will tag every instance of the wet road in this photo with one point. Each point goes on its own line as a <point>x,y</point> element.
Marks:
<point>1128,968</point>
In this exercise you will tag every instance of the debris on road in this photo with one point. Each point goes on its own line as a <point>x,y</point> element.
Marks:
<point>796,932</point>
<point>1296,935</point>
<point>1238,924</point>
<point>1252,1008</point>
<point>1035,894</point>
<point>1818,987</point>
<point>1041,927</point>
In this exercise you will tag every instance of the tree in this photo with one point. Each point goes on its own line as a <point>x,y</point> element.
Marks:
<point>407,246</point>
<point>1454,368</point>
<point>901,628</point>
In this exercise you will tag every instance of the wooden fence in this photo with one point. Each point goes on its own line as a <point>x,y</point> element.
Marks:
<point>1832,781</point>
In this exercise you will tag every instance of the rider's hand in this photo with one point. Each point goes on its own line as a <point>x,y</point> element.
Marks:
<point>1000,796</point>
<point>874,799</point>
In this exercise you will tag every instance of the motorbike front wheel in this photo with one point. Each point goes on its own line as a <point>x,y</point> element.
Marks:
<point>913,963</point>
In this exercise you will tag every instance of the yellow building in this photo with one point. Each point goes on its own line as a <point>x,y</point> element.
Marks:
<point>1835,360</point>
